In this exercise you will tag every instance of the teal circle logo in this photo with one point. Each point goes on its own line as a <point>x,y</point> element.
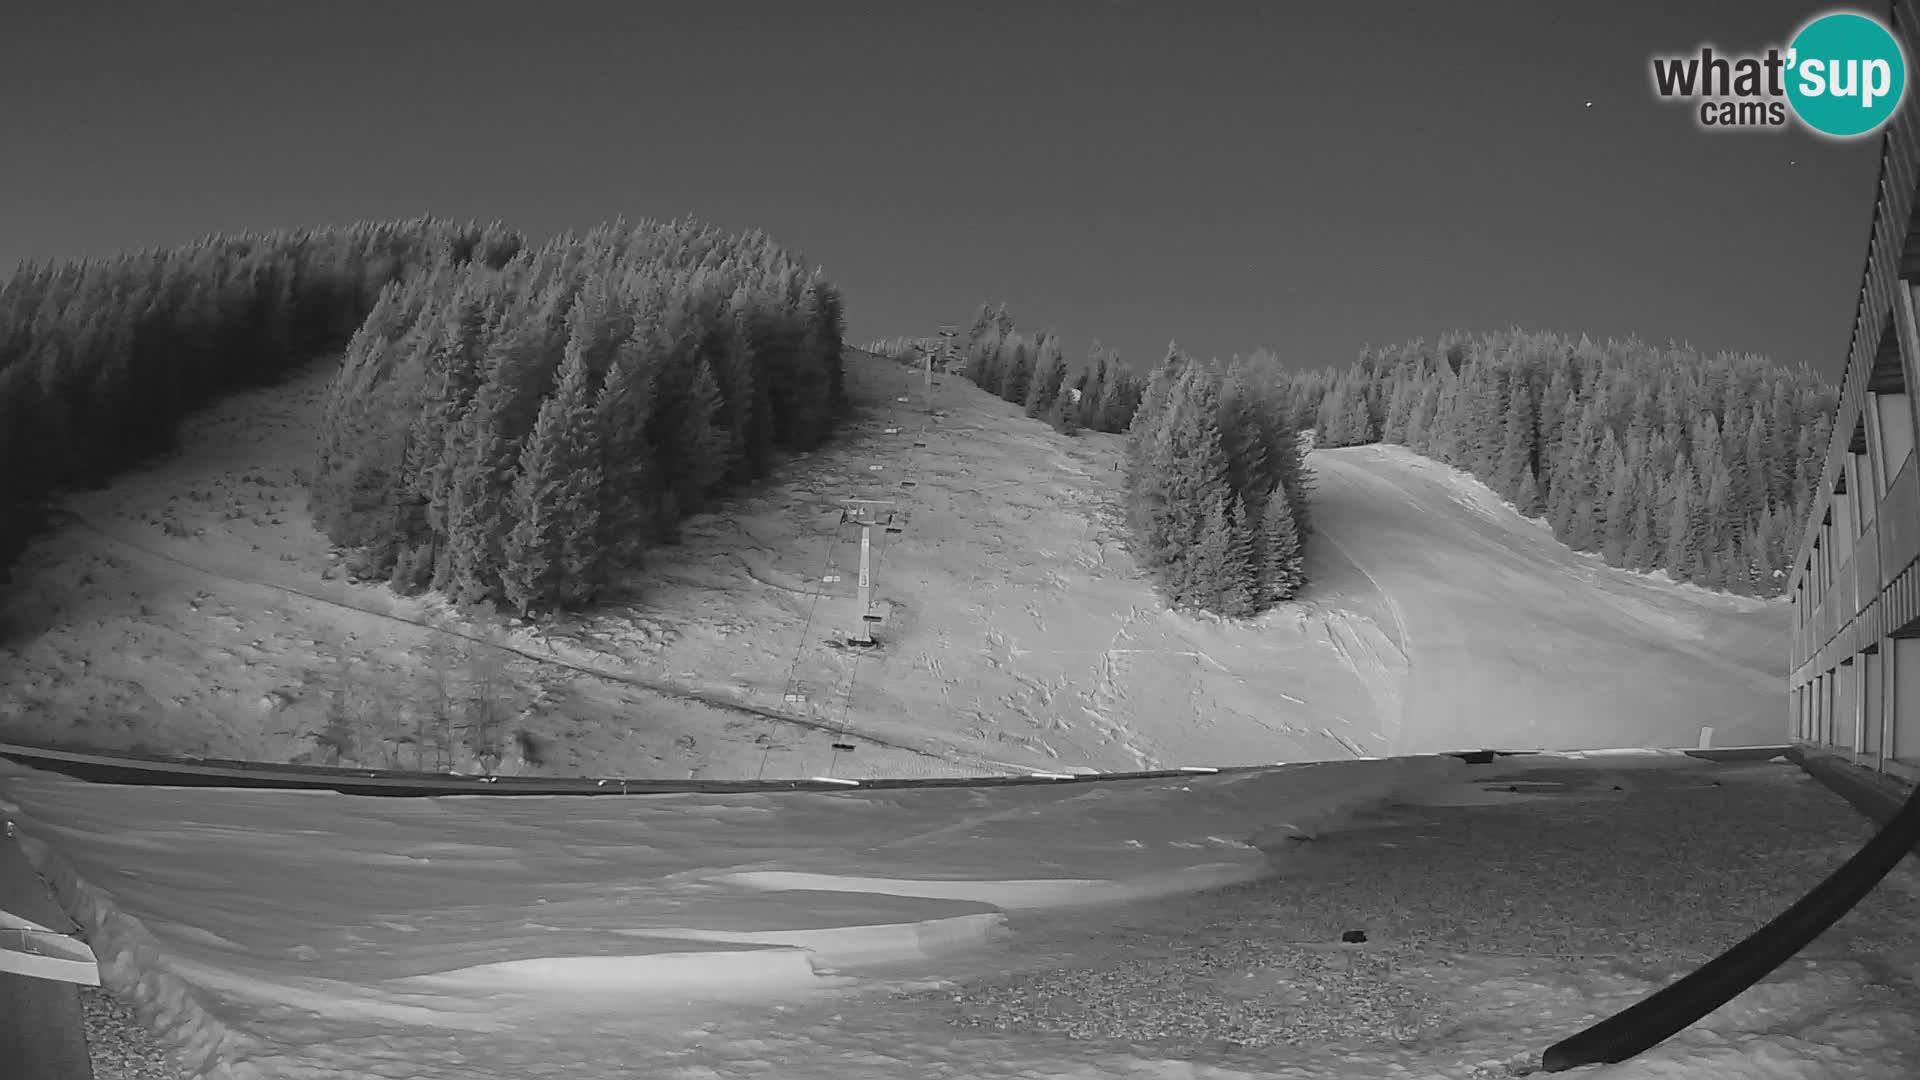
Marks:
<point>1846,75</point>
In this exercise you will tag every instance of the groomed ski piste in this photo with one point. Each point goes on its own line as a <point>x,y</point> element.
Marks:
<point>1186,925</point>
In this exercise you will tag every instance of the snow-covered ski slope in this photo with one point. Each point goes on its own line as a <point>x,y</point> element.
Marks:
<point>193,608</point>
<point>1510,640</point>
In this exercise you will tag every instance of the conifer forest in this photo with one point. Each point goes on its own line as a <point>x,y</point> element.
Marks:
<point>516,425</point>
<point>510,424</point>
<point>1653,458</point>
<point>1699,466</point>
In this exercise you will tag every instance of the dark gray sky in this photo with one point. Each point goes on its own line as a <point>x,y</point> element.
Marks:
<point>1230,173</point>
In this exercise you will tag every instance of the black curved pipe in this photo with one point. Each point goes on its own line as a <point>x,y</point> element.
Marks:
<point>1671,1010</point>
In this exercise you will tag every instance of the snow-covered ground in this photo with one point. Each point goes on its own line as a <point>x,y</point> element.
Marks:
<point>192,608</point>
<point>1165,928</point>
<point>1126,929</point>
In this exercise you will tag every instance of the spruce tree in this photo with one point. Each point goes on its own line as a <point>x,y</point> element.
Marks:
<point>582,555</point>
<point>1335,422</point>
<point>1005,359</point>
<point>476,500</point>
<point>1065,415</point>
<point>1400,406</point>
<point>1243,434</point>
<point>1216,574</point>
<point>1721,541</point>
<point>1618,525</point>
<point>1046,386</point>
<point>1600,470</point>
<point>1239,589</point>
<point>1019,373</point>
<point>1642,543</point>
<point>1754,499</point>
<point>1282,569</point>
<point>1359,424</point>
<point>1420,425</point>
<point>1177,469</point>
<point>1119,399</point>
<point>630,489</point>
<point>1583,525</point>
<point>1782,427</point>
<point>1526,497</point>
<point>1489,395</point>
<point>1093,387</point>
<point>1683,554</point>
<point>454,369</point>
<point>1516,450</point>
<point>1201,450</point>
<point>1156,401</point>
<point>1201,574</point>
<point>1156,503</point>
<point>1449,435</point>
<point>983,361</point>
<point>982,322</point>
<point>530,555</point>
<point>700,441</point>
